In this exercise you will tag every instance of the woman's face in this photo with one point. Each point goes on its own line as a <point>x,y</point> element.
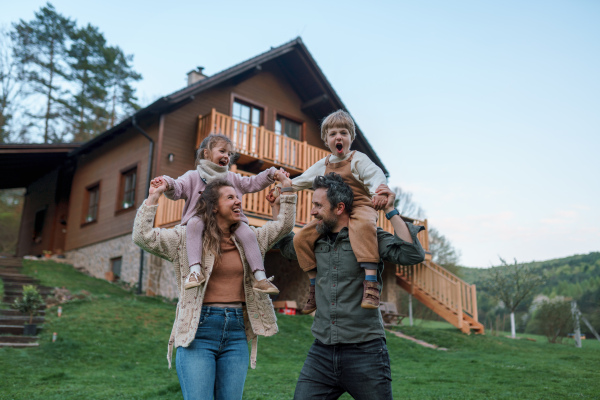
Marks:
<point>229,208</point>
<point>220,154</point>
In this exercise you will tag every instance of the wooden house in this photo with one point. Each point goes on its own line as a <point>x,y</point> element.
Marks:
<point>81,199</point>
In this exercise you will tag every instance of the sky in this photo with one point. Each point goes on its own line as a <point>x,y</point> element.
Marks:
<point>487,111</point>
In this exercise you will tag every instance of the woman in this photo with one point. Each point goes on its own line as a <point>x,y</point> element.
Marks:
<point>214,321</point>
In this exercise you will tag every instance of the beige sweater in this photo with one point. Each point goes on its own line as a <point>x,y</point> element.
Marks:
<point>170,244</point>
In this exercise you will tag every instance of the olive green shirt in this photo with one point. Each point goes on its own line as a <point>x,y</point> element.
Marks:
<point>339,284</point>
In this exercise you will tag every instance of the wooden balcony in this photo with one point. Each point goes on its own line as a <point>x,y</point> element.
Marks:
<point>257,209</point>
<point>258,143</point>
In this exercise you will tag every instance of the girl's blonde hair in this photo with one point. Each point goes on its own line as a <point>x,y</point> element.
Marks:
<point>211,238</point>
<point>210,142</point>
<point>338,119</point>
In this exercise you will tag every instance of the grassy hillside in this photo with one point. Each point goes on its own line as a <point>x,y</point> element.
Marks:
<point>576,277</point>
<point>113,346</point>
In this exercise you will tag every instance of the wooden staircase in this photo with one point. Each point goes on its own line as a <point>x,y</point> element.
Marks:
<point>446,294</point>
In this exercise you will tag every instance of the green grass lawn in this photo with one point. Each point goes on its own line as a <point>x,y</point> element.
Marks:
<point>113,346</point>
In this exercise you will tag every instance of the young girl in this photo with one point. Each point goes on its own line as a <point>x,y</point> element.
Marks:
<point>213,157</point>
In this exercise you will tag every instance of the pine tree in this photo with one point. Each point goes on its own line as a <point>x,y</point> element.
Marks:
<point>85,114</point>
<point>121,99</point>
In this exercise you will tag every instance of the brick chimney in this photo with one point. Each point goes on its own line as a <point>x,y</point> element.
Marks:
<point>195,75</point>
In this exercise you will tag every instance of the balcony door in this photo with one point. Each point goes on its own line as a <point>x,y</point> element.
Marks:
<point>247,119</point>
<point>287,148</point>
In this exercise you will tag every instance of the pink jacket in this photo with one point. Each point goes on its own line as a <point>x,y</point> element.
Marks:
<point>190,185</point>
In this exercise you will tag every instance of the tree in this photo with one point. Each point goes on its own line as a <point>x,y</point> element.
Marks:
<point>84,111</point>
<point>512,284</point>
<point>122,99</point>
<point>10,88</point>
<point>406,206</point>
<point>41,49</point>
<point>11,207</point>
<point>554,319</point>
<point>442,251</point>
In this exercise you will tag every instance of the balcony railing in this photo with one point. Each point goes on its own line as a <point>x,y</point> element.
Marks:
<point>259,142</point>
<point>256,205</point>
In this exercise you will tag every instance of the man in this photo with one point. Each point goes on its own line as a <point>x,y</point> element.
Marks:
<point>349,353</point>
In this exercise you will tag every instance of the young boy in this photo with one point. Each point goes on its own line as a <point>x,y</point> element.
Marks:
<point>364,177</point>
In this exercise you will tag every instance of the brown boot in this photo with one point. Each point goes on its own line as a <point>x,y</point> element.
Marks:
<point>265,286</point>
<point>311,303</point>
<point>370,295</point>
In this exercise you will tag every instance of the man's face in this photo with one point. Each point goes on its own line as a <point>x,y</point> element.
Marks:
<point>322,212</point>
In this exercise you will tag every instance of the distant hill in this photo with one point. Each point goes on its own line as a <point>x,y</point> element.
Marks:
<point>577,277</point>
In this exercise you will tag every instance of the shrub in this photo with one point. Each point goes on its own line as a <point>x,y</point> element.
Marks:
<point>30,302</point>
<point>553,319</point>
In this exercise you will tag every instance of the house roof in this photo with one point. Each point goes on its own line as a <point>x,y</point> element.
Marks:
<point>22,164</point>
<point>293,58</point>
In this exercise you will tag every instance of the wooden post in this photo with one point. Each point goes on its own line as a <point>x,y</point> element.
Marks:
<point>459,305</point>
<point>474,303</point>
<point>410,313</point>
<point>213,121</point>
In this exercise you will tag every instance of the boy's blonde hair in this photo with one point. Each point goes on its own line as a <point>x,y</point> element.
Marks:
<point>338,119</point>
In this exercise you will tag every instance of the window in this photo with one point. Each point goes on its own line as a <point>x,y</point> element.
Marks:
<point>127,189</point>
<point>93,199</point>
<point>115,266</point>
<point>288,128</point>
<point>245,135</point>
<point>247,113</point>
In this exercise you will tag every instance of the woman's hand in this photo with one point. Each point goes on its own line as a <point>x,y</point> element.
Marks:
<point>157,187</point>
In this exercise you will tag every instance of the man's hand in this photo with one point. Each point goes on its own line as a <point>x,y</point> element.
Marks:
<point>385,191</point>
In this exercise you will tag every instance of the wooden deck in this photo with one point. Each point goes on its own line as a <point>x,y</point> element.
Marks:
<point>260,143</point>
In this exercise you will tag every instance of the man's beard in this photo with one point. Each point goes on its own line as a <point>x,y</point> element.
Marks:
<point>326,226</point>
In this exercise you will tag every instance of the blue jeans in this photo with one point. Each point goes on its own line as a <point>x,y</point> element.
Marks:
<point>361,369</point>
<point>215,364</point>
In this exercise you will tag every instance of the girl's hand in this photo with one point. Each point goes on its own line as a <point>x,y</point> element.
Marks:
<point>280,175</point>
<point>159,182</point>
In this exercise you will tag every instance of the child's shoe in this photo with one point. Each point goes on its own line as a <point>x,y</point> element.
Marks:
<point>194,279</point>
<point>311,303</point>
<point>370,294</point>
<point>265,286</point>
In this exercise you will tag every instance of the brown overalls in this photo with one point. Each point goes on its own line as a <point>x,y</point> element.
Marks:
<point>362,226</point>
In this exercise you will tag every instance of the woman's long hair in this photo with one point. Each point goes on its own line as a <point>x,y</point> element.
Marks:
<point>209,200</point>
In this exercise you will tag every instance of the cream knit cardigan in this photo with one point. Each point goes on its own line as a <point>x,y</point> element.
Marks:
<point>170,244</point>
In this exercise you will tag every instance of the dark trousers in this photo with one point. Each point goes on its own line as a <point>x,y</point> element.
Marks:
<point>361,369</point>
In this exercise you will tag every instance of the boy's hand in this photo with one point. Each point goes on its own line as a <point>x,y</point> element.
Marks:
<point>379,201</point>
<point>384,190</point>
